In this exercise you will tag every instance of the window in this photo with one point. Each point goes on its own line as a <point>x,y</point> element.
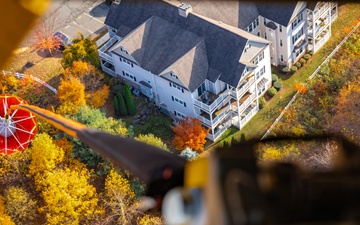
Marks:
<point>260,73</point>
<point>281,44</point>
<point>299,52</point>
<point>176,86</point>
<point>179,115</point>
<point>126,61</point>
<point>126,74</point>
<point>253,25</point>
<point>261,90</point>
<point>297,21</point>
<point>259,58</point>
<point>181,102</point>
<point>281,58</point>
<point>264,21</point>
<point>297,36</point>
<point>280,28</point>
<point>265,35</point>
<point>258,33</point>
<point>173,75</point>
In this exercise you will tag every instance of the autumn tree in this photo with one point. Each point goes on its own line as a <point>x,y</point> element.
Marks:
<point>4,218</point>
<point>95,90</point>
<point>44,39</point>
<point>189,133</point>
<point>119,200</point>
<point>302,89</point>
<point>150,139</point>
<point>19,205</point>
<point>82,49</point>
<point>71,94</point>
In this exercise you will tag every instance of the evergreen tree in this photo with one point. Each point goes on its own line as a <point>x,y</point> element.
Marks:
<point>116,105</point>
<point>131,108</point>
<point>121,105</point>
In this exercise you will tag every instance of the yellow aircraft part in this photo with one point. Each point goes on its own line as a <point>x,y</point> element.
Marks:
<point>17,18</point>
<point>64,124</point>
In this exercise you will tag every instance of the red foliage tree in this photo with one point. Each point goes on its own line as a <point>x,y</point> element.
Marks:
<point>189,133</point>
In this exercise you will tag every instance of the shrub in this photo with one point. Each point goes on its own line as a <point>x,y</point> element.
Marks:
<point>130,105</point>
<point>285,69</point>
<point>293,69</point>
<point>189,154</point>
<point>307,57</point>
<point>122,106</point>
<point>278,85</point>
<point>272,91</point>
<point>310,52</point>
<point>298,65</point>
<point>262,102</point>
<point>302,61</point>
<point>274,78</point>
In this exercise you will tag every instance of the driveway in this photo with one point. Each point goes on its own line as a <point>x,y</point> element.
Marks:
<point>71,17</point>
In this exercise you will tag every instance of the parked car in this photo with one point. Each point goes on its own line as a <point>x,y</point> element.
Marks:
<point>63,39</point>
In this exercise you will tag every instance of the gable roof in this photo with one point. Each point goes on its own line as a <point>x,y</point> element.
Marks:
<point>235,13</point>
<point>282,13</point>
<point>162,39</point>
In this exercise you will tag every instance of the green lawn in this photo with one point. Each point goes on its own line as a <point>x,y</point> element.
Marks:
<point>256,128</point>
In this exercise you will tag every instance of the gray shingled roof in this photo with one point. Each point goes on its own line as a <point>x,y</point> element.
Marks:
<point>235,13</point>
<point>223,47</point>
<point>192,68</point>
<point>281,13</point>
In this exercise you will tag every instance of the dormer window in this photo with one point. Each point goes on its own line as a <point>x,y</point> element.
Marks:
<point>247,47</point>
<point>173,75</point>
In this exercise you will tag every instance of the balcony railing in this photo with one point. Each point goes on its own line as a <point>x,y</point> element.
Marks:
<point>322,41</point>
<point>103,51</point>
<point>321,10</point>
<point>210,108</point>
<point>243,89</point>
<point>215,120</point>
<point>108,70</point>
<point>245,104</point>
<point>249,116</point>
<point>219,132</point>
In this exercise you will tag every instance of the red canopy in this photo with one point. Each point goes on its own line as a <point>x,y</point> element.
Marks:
<point>16,129</point>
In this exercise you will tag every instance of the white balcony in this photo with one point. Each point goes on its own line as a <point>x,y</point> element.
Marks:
<point>210,105</point>
<point>217,117</point>
<point>321,40</point>
<point>321,11</point>
<point>244,102</point>
<point>103,51</point>
<point>246,117</point>
<point>219,130</point>
<point>243,88</point>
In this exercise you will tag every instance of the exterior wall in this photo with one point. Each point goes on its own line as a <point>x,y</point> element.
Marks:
<point>165,95</point>
<point>292,32</point>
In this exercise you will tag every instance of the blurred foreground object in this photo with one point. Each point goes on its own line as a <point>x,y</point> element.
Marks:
<point>17,18</point>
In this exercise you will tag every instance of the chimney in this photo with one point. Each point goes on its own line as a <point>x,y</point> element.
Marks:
<point>184,9</point>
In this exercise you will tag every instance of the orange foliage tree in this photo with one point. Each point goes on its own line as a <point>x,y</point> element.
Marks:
<point>44,39</point>
<point>302,89</point>
<point>189,133</point>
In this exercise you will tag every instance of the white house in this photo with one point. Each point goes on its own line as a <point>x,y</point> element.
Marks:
<point>205,59</point>
<point>292,27</point>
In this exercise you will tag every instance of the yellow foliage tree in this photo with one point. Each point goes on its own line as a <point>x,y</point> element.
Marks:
<point>66,145</point>
<point>19,205</point>
<point>150,220</point>
<point>68,197</point>
<point>119,199</point>
<point>4,218</point>
<point>150,139</point>
<point>71,94</point>
<point>99,97</point>
<point>288,152</point>
<point>45,155</point>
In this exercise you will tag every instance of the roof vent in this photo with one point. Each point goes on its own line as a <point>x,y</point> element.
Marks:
<point>184,9</point>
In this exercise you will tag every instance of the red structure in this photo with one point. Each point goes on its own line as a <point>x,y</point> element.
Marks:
<point>17,128</point>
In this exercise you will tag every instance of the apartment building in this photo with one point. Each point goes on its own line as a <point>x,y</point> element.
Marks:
<point>190,65</point>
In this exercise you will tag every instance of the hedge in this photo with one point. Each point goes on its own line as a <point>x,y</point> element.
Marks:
<point>262,102</point>
<point>278,85</point>
<point>272,91</point>
<point>285,69</point>
<point>293,69</point>
<point>298,65</point>
<point>302,61</point>
<point>307,57</point>
<point>274,78</point>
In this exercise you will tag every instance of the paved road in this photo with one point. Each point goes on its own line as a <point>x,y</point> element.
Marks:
<point>72,16</point>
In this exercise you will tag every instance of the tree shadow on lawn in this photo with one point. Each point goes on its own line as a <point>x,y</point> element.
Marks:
<point>283,76</point>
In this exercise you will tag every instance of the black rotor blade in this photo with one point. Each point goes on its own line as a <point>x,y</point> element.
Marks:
<point>159,169</point>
